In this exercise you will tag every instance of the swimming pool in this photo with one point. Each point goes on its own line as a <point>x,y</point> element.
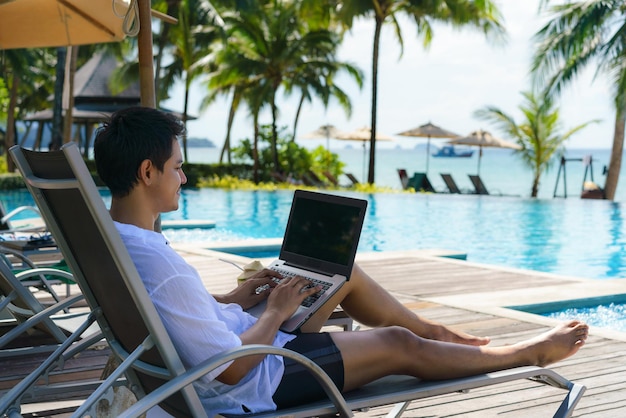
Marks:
<point>606,311</point>
<point>582,238</point>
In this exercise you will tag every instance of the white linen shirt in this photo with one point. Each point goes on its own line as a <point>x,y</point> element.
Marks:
<point>199,326</point>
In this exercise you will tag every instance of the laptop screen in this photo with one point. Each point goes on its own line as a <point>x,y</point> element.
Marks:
<point>323,232</point>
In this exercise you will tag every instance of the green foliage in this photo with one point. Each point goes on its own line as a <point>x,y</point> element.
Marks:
<point>11,181</point>
<point>4,99</point>
<point>293,158</point>
<point>539,134</point>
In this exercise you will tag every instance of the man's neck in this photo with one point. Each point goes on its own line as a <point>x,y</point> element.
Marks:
<point>126,210</point>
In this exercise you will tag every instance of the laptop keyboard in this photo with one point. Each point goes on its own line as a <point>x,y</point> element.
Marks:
<point>310,300</point>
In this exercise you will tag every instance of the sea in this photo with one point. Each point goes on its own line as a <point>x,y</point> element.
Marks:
<point>502,171</point>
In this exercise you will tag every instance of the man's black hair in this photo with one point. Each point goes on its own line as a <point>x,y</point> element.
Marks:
<point>131,136</point>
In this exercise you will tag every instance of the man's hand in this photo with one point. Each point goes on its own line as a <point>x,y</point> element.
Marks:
<point>285,298</point>
<point>253,290</point>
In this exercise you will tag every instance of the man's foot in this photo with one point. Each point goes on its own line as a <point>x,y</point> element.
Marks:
<point>557,344</point>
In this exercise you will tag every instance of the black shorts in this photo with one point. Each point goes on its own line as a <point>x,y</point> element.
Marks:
<point>298,385</point>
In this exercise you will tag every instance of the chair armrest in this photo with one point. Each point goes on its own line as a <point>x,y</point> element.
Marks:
<point>193,374</point>
<point>18,210</point>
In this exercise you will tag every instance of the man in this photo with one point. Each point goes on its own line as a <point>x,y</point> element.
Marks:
<point>138,157</point>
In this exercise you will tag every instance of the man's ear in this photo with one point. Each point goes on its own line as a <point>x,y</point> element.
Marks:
<point>145,173</point>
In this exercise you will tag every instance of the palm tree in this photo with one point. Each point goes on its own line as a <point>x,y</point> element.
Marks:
<point>231,76</point>
<point>538,134</point>
<point>581,33</point>
<point>318,79</point>
<point>29,81</point>
<point>480,14</point>
<point>269,48</point>
<point>191,39</point>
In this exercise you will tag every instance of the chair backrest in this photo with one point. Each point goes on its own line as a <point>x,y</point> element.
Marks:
<point>78,219</point>
<point>4,225</point>
<point>404,177</point>
<point>420,182</point>
<point>478,184</point>
<point>353,179</point>
<point>450,183</point>
<point>22,304</point>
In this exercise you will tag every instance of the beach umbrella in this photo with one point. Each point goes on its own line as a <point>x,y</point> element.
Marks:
<point>429,131</point>
<point>54,23</point>
<point>363,135</point>
<point>483,139</point>
<point>58,23</point>
<point>324,131</point>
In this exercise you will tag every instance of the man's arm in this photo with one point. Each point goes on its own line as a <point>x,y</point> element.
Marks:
<point>282,302</point>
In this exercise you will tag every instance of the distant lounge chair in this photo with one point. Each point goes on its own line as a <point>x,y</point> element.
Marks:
<point>450,183</point>
<point>404,178</point>
<point>30,315</point>
<point>331,178</point>
<point>7,226</point>
<point>279,177</point>
<point>317,181</point>
<point>481,189</point>
<point>478,184</point>
<point>420,183</point>
<point>352,178</point>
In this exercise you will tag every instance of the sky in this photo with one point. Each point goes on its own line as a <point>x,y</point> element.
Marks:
<point>445,84</point>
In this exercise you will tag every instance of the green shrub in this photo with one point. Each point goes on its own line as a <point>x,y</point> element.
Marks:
<point>11,181</point>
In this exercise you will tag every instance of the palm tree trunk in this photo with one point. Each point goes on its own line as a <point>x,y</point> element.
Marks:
<point>255,150</point>
<point>9,139</point>
<point>615,163</point>
<point>57,106</point>
<point>69,119</point>
<point>172,5</point>
<point>295,122</point>
<point>535,190</point>
<point>231,118</point>
<point>185,109</point>
<point>372,175</point>
<point>275,133</point>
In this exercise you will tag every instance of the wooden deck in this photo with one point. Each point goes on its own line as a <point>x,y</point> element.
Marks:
<point>471,297</point>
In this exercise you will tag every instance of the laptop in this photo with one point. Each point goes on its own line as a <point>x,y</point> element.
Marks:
<point>320,243</point>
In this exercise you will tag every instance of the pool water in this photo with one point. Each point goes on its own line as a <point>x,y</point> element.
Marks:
<point>581,238</point>
<point>603,311</point>
<point>612,316</point>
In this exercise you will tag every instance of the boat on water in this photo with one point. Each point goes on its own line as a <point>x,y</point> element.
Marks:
<point>450,151</point>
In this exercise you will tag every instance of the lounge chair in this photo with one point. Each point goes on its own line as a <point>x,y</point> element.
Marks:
<point>352,178</point>
<point>331,178</point>
<point>420,183</point>
<point>7,226</point>
<point>450,183</point>
<point>452,186</point>
<point>18,262</point>
<point>27,311</point>
<point>112,287</point>
<point>481,189</point>
<point>31,332</point>
<point>479,186</point>
<point>404,178</point>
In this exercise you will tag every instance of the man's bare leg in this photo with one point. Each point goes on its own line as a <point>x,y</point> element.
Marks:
<point>371,305</point>
<point>435,360</point>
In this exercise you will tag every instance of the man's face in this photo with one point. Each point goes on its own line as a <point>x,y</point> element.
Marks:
<point>167,190</point>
